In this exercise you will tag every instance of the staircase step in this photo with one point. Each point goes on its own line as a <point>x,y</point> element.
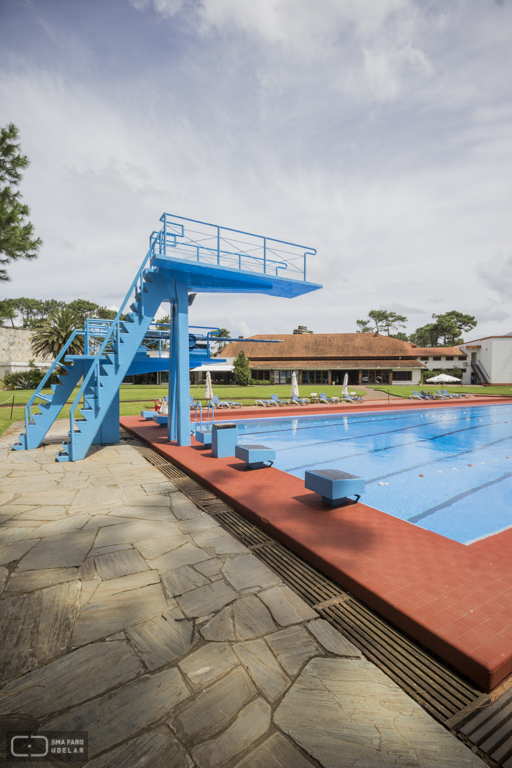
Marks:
<point>64,455</point>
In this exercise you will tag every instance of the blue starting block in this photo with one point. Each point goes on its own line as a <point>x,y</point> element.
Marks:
<point>148,415</point>
<point>160,419</point>
<point>255,455</point>
<point>224,440</point>
<point>203,436</point>
<point>334,485</point>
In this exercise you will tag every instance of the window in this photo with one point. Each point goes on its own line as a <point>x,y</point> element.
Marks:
<point>463,357</point>
<point>450,358</point>
<point>437,358</point>
<point>402,375</point>
<point>425,359</point>
<point>315,377</point>
<point>282,377</point>
<point>261,375</point>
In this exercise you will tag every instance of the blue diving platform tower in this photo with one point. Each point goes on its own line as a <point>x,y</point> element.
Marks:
<point>185,256</point>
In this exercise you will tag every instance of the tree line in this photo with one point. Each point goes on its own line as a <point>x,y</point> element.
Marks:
<point>33,313</point>
<point>445,331</point>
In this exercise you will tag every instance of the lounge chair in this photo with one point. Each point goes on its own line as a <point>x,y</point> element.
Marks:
<point>325,399</point>
<point>193,402</point>
<point>265,403</point>
<point>426,395</point>
<point>450,395</point>
<point>278,401</point>
<point>299,400</point>
<point>416,396</point>
<point>219,403</point>
<point>351,399</point>
<point>441,395</point>
<point>456,395</point>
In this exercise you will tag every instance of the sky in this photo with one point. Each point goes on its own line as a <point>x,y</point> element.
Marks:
<point>377,131</point>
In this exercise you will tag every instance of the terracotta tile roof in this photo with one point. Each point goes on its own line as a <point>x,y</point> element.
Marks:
<point>325,346</point>
<point>331,365</point>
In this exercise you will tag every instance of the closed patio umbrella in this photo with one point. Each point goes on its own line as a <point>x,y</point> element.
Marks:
<point>295,386</point>
<point>344,391</point>
<point>208,391</point>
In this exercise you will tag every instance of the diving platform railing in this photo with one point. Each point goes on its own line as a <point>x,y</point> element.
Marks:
<point>197,241</point>
<point>156,338</point>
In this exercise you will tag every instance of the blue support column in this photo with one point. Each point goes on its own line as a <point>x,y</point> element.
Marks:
<point>109,430</point>
<point>178,428</point>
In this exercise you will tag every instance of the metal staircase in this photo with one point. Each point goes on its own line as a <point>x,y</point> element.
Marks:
<point>481,375</point>
<point>184,256</point>
<point>103,371</point>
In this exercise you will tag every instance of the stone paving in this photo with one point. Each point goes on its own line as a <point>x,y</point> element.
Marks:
<point>127,612</point>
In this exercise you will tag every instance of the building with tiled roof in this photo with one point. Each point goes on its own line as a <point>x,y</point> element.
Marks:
<point>324,358</point>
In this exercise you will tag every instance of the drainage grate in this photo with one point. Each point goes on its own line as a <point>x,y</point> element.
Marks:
<point>247,533</point>
<point>437,688</point>
<point>168,469</point>
<point>193,489</point>
<point>490,729</point>
<point>310,584</point>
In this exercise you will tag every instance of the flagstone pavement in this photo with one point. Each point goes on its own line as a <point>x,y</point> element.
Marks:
<point>127,612</point>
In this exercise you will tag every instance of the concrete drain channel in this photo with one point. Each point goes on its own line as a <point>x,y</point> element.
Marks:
<point>483,722</point>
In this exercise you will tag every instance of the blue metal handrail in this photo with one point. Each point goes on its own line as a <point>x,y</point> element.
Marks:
<point>212,243</point>
<point>210,404</point>
<point>112,336</point>
<point>198,405</point>
<point>42,383</point>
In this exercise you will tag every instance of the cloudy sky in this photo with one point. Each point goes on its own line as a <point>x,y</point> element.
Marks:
<point>376,131</point>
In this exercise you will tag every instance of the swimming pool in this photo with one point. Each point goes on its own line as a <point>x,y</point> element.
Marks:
<point>448,470</point>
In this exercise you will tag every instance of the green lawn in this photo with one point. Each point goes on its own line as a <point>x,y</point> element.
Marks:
<point>135,398</point>
<point>406,390</point>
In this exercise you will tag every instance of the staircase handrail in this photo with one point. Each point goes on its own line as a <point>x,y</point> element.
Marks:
<point>95,367</point>
<point>42,383</point>
<point>477,364</point>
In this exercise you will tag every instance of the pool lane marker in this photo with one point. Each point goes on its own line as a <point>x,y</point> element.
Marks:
<point>421,440</point>
<point>458,497</point>
<point>365,436</point>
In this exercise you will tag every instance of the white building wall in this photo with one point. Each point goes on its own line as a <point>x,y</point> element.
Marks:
<point>16,351</point>
<point>494,354</point>
<point>431,364</point>
<point>501,361</point>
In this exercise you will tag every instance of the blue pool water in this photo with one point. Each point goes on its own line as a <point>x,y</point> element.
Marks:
<point>466,490</point>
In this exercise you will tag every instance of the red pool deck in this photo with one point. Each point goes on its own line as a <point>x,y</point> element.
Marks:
<point>454,599</point>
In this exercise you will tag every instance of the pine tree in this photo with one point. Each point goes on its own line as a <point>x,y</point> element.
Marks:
<point>241,370</point>
<point>17,239</point>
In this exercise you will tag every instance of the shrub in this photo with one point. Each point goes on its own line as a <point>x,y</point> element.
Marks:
<point>27,379</point>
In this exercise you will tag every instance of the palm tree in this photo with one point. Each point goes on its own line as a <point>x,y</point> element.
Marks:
<point>48,340</point>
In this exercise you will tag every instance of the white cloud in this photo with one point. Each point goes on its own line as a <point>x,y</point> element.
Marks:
<point>496,274</point>
<point>166,8</point>
<point>239,128</point>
